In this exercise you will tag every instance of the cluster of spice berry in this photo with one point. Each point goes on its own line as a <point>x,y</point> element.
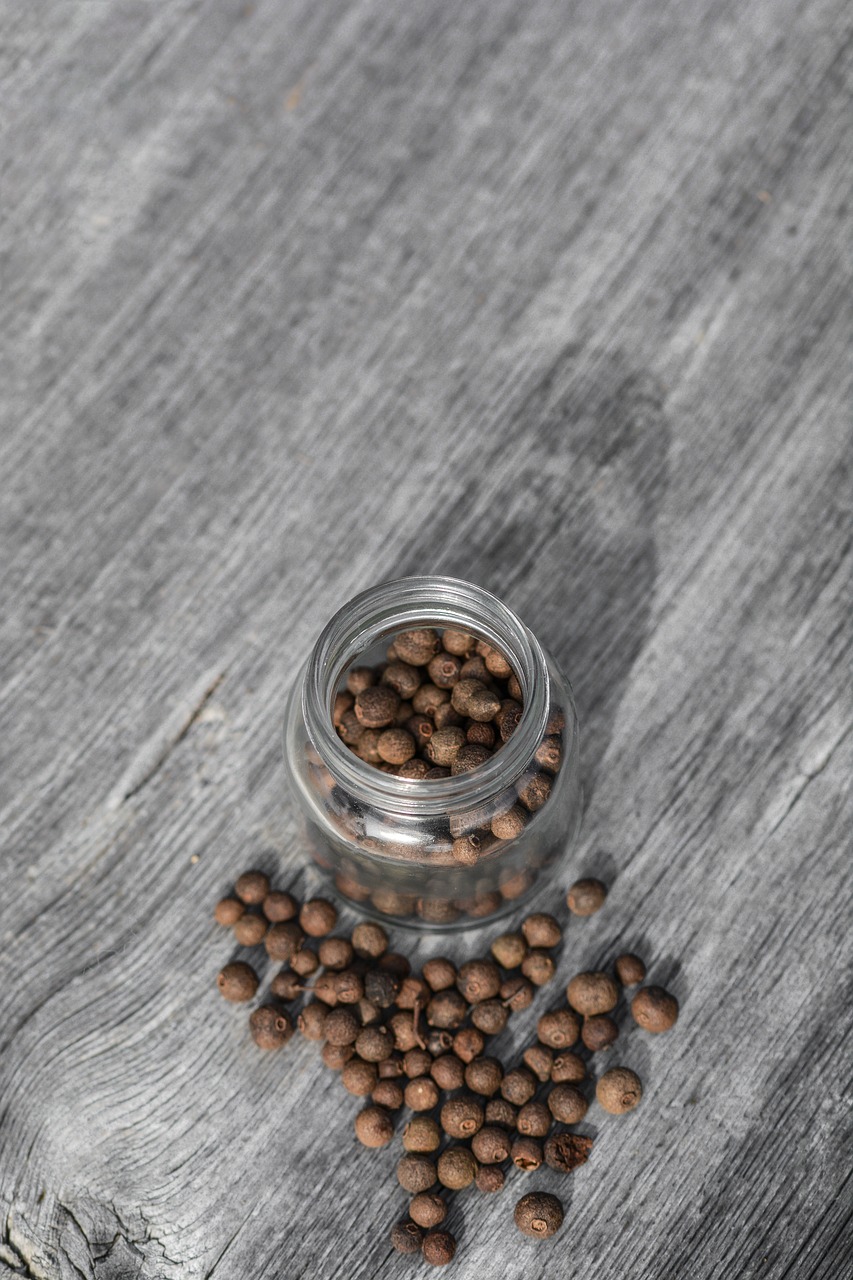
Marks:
<point>404,1039</point>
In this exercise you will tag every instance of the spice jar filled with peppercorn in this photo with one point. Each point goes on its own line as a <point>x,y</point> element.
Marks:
<point>432,745</point>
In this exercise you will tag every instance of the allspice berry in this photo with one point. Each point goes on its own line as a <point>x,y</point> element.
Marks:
<point>475,700</point>
<point>283,940</point>
<point>593,992</point>
<point>404,1031</point>
<point>599,1032</point>
<point>448,1072</point>
<point>539,1059</point>
<point>325,987</point>
<point>422,1094</point>
<point>566,1152</point>
<point>567,1104</point>
<point>461,1117</point>
<point>549,754</point>
<point>249,930</point>
<point>490,1178</point>
<point>286,985</point>
<point>491,1145</point>
<point>439,973</point>
<point>468,1043</point>
<point>535,792</point>
<point>359,1078</point>
<point>469,757</point>
<point>526,1154</point>
<point>619,1090</point>
<point>422,1134</point>
<point>403,678</point>
<point>415,769</point>
<point>417,646</point>
<point>429,698</point>
<point>538,966</point>
<point>568,1068</point>
<point>318,917</point>
<point>467,849</point>
<point>518,1086</point>
<point>304,962</point>
<point>483,1076</point>
<point>538,1215</point>
<point>460,643</point>
<point>439,1248</point>
<point>335,953</point>
<point>396,746</point>
<point>376,707</point>
<point>509,825</point>
<point>252,887</point>
<point>533,1120</point>
<point>445,744</point>
<point>446,1009</point>
<point>388,1094</point>
<point>509,949</point>
<point>427,1209</point>
<point>499,1111</point>
<point>479,980</point>
<point>373,1043</point>
<point>417,1062</point>
<point>517,993</point>
<point>654,1009</point>
<point>406,1237</point>
<point>228,910</point>
<point>456,1168</point>
<point>585,897</point>
<point>336,1056</point>
<point>341,1026</point>
<point>237,981</point>
<point>541,930</point>
<point>350,728</point>
<point>416,1172</point>
<point>508,717</point>
<point>559,1028</point>
<point>374,1127</point>
<point>280,906</point>
<point>480,732</point>
<point>490,1016</point>
<point>630,969</point>
<point>312,1020</point>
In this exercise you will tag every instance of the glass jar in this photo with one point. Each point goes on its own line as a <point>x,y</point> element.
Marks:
<point>387,842</point>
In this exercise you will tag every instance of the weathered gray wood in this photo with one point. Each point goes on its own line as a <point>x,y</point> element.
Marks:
<point>298,297</point>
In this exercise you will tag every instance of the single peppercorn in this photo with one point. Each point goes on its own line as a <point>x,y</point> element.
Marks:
<point>509,949</point>
<point>526,1153</point>
<point>396,746</point>
<point>282,941</point>
<point>567,1104</point>
<point>469,757</point>
<point>539,967</point>
<point>318,917</point>
<point>592,992</point>
<point>460,643</point>
<point>539,1059</point>
<point>549,754</point>
<point>541,930</point>
<point>568,1068</point>
<point>654,1009</point>
<point>490,1145</point>
<point>388,1094</point>
<point>481,733</point>
<point>252,887</point>
<point>343,703</point>
<point>325,988</point>
<point>414,769</point>
<point>566,1152</point>
<point>559,1028</point>
<point>427,1209</point>
<point>474,668</point>
<point>391,1068</point>
<point>484,1076</point>
<point>468,1043</point>
<point>467,849</point>
<point>335,953</point>
<point>444,717</point>
<point>413,990</point>
<point>422,1134</point>
<point>336,1056</point>
<point>533,1120</point>
<point>403,678</point>
<point>438,1042</point>
<point>422,1094</point>
<point>237,981</point>
<point>374,1043</point>
<point>439,973</point>
<point>535,792</point>
<point>359,1078</point>
<point>538,1215</point>
<point>630,969</point>
<point>286,985</point>
<point>518,1086</point>
<point>474,700</point>
<point>404,1031</point>
<point>374,1127</point>
<point>619,1090</point>
<point>508,718</point>
<point>249,930</point>
<point>368,1012</point>
<point>599,1032</point>
<point>417,646</point>
<point>443,670</point>
<point>227,911</point>
<point>417,1062</point>
<point>416,1172</point>
<point>509,825</point>
<point>517,993</point>
<point>444,745</point>
<point>341,1026</point>
<point>369,940</point>
<point>448,1072</point>
<point>395,963</point>
<point>461,1117</point>
<point>482,904</point>
<point>514,884</point>
<point>349,986</point>
<point>490,1178</point>
<point>421,728</point>
<point>359,678</point>
<point>479,980</point>
<point>278,906</point>
<point>304,962</point>
<point>439,1248</point>
<point>429,698</point>
<point>585,897</point>
<point>270,1027</point>
<point>499,1111</point>
<point>376,707</point>
<point>312,1021</point>
<point>446,1009</point>
<point>456,1168</point>
<point>490,1016</point>
<point>406,1237</point>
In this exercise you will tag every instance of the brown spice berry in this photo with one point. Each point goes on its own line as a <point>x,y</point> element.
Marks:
<point>541,930</point>
<point>376,708</point>
<point>654,1009</point>
<point>593,992</point>
<point>325,988</point>
<point>286,985</point>
<point>567,1104</point>
<point>368,1012</point>
<point>539,1215</point>
<point>312,1020</point>
<point>499,1111</point>
<point>481,733</point>
<point>367,747</point>
<point>415,770</point>
<point>438,1041</point>
<point>428,1209</point>
<point>468,1043</point>
<point>517,993</point>
<point>475,700</point>
<point>490,1145</point>
<point>533,1120</point>
<point>468,758</point>
<point>280,906</point>
<point>413,990</point>
<point>270,1027</point>
<point>249,930</point>
<point>568,1068</point>
<point>483,904</point>
<point>526,1153</point>
<point>490,1178</point>
<point>514,689</point>
<point>359,1078</point>
<point>359,678</point>
<point>396,745</point>
<point>439,973</point>
<point>456,1168</point>
<point>391,1068</point>
<point>446,1009</point>
<point>599,1032</point>
<point>304,962</point>
<point>549,754</point>
<point>343,703</point>
<point>567,1151</point>
<point>539,1059</point>
<point>508,717</point>
<point>509,949</point>
<point>439,1248</point>
<point>514,884</point>
<point>461,1117</point>
<point>388,1094</point>
<point>228,910</point>
<point>466,849</point>
<point>341,1026</point>
<point>336,1056</point>
<point>444,670</point>
<point>369,940</point>
<point>445,744</point>
<point>252,887</point>
<point>496,662</point>
<point>417,1062</point>
<point>403,678</point>
<point>282,941</point>
<point>448,1072</point>
<point>318,917</point>
<point>417,646</point>
<point>518,1086</point>
<point>474,668</point>
<point>429,698</point>
<point>630,969</point>
<point>335,953</point>
<point>416,1172</point>
<point>421,728</point>
<point>374,1127</point>
<point>404,1031</point>
<point>351,888</point>
<point>422,1134</point>
<point>619,1090</point>
<point>484,1076</point>
<point>422,1094</point>
<point>559,1028</point>
<point>350,728</point>
<point>374,1043</point>
<point>585,897</point>
<point>479,980</point>
<point>237,981</point>
<point>437,910</point>
<point>444,717</point>
<point>509,825</point>
<point>534,793</point>
<point>490,1016</point>
<point>460,643</point>
<point>538,966</point>
<point>406,1237</point>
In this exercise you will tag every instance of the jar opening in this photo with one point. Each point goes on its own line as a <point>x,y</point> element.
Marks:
<point>375,615</point>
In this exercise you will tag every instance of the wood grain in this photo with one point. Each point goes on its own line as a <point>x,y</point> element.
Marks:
<point>300,297</point>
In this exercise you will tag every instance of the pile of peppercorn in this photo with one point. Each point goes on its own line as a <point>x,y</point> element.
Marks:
<point>403,1039</point>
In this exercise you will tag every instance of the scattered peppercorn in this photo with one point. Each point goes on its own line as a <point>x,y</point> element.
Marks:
<point>484,1076</point>
<point>539,967</point>
<point>249,930</point>
<point>619,1090</point>
<point>359,1078</point>
<point>448,1072</point>
<point>335,953</point>
<point>461,1117</point>
<point>237,981</point>
<point>541,930</point>
<point>567,1104</point>
<point>374,1127</point>
<point>490,1145</point>
<point>270,1027</point>
<point>456,1168</point>
<point>490,1178</point>
<point>590,993</point>
<point>559,1028</point>
<point>539,1215</point>
<point>446,1009</point>
<point>427,1209</point>
<point>422,1094</point>
<point>280,906</point>
<point>439,1248</point>
<point>318,917</point>
<point>567,1151</point>
<point>282,941</point>
<point>585,897</point>
<point>252,887</point>
<point>228,910</point>
<point>568,1068</point>
<point>304,962</point>
<point>286,985</point>
<point>468,1043</point>
<point>387,1093</point>
<point>517,993</point>
<point>439,973</point>
<point>406,1237</point>
<point>654,1009</point>
<point>509,949</point>
<point>341,1026</point>
<point>422,1134</point>
<point>499,1111</point>
<point>533,1120</point>
<point>630,969</point>
<point>518,1086</point>
<point>416,1172</point>
<point>369,940</point>
<point>599,1032</point>
<point>312,1020</point>
<point>490,1016</point>
<point>540,1059</point>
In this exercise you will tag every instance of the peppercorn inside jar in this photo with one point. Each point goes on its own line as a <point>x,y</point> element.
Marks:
<point>432,746</point>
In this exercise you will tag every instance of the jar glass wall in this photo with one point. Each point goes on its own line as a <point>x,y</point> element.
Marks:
<point>423,852</point>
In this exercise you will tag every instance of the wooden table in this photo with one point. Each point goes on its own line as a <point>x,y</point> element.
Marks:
<point>300,297</point>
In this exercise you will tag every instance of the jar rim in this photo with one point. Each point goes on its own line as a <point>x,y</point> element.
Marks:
<point>424,601</point>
